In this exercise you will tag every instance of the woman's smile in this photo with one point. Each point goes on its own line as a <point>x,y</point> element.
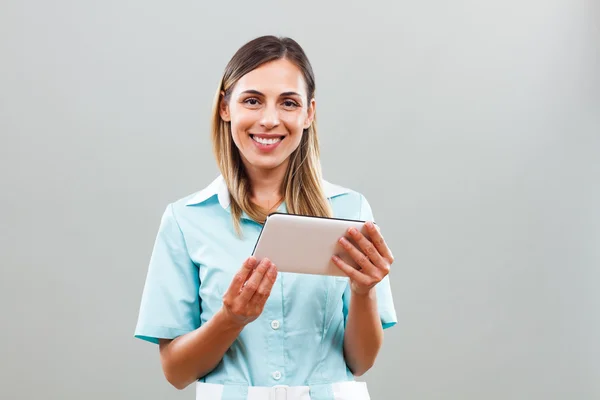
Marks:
<point>266,143</point>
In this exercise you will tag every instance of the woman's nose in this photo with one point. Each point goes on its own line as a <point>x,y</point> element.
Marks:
<point>270,117</point>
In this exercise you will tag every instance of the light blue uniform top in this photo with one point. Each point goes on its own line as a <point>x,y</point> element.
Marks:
<point>296,341</point>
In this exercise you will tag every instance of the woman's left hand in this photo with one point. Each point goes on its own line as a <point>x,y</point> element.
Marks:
<point>373,257</point>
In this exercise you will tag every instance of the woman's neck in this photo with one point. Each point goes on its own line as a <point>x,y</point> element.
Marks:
<point>266,184</point>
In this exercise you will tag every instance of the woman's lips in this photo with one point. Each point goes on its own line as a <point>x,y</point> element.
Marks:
<point>266,143</point>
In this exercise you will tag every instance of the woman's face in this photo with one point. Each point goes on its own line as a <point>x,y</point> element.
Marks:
<point>268,110</point>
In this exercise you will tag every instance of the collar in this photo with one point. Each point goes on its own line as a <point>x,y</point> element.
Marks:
<point>218,188</point>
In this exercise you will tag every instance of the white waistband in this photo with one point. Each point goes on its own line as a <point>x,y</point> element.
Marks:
<point>350,390</point>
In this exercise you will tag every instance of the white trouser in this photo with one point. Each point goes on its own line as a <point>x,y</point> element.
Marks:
<point>341,391</point>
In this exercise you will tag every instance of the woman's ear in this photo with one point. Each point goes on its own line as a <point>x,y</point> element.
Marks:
<point>224,108</point>
<point>310,115</point>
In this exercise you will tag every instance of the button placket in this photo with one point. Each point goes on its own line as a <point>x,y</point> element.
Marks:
<point>275,361</point>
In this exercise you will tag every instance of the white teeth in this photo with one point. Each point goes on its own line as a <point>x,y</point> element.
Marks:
<point>266,141</point>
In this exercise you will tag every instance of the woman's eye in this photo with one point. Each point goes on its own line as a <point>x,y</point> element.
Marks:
<point>251,101</point>
<point>290,104</point>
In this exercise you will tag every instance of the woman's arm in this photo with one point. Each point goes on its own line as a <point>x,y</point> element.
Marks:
<point>193,355</point>
<point>364,334</point>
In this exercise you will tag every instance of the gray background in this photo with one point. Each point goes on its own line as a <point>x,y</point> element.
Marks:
<point>472,127</point>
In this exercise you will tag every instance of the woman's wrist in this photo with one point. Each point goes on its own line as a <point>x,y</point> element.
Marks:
<point>361,292</point>
<point>224,318</point>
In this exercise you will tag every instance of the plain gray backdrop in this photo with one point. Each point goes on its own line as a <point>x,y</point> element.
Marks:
<point>473,128</point>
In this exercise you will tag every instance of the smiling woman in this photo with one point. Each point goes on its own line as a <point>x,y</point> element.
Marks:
<point>253,333</point>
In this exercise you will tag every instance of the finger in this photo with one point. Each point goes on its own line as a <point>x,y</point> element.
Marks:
<point>379,242</point>
<point>241,276</point>
<point>368,248</point>
<point>253,282</point>
<point>361,259</point>
<point>352,272</point>
<point>266,284</point>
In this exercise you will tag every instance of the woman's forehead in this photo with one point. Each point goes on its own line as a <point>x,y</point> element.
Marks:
<point>274,78</point>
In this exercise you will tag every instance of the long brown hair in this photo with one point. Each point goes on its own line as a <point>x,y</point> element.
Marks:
<point>302,185</point>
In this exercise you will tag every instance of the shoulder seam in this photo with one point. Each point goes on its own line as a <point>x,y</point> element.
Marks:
<point>180,232</point>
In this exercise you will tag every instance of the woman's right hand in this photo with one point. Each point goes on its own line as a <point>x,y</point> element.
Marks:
<point>249,290</point>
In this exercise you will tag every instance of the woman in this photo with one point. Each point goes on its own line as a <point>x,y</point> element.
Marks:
<point>250,332</point>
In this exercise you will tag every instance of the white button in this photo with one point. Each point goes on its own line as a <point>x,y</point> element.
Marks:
<point>275,324</point>
<point>277,375</point>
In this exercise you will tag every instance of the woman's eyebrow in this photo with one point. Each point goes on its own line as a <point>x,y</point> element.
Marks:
<point>252,91</point>
<point>257,93</point>
<point>290,94</point>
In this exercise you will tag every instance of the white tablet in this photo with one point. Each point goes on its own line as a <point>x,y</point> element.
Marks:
<point>305,244</point>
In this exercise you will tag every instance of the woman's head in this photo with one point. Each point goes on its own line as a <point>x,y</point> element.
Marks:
<point>267,97</point>
<point>268,111</point>
<point>264,119</point>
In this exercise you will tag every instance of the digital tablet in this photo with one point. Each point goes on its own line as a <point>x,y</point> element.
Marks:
<point>305,244</point>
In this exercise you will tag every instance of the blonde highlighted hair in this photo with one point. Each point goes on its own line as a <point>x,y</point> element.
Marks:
<point>302,187</point>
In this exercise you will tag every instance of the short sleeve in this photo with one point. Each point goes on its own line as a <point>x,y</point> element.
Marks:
<point>170,304</point>
<point>385,301</point>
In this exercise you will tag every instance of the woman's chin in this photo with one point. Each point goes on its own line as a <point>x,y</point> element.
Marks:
<point>265,162</point>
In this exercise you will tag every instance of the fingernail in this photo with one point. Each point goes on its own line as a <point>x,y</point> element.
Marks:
<point>353,231</point>
<point>370,224</point>
<point>343,240</point>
